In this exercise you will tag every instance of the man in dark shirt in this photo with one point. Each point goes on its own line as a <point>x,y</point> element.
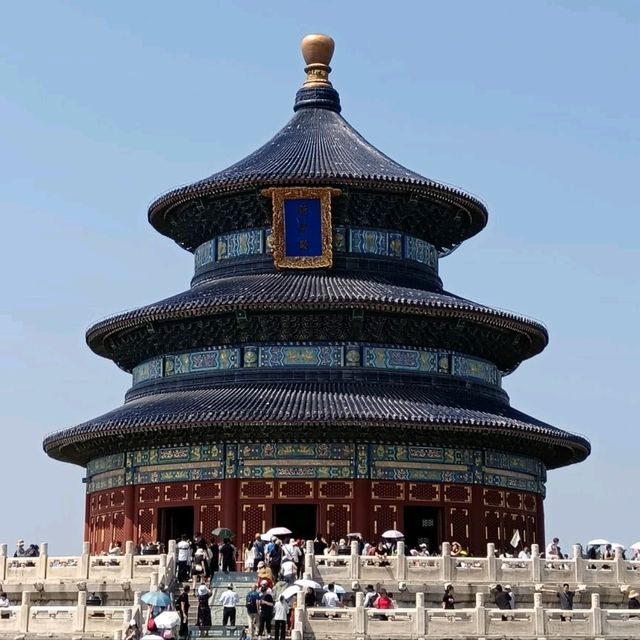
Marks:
<point>502,599</point>
<point>228,554</point>
<point>565,598</point>
<point>182,605</point>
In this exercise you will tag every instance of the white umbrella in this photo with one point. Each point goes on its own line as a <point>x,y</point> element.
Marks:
<point>303,582</point>
<point>598,542</point>
<point>635,546</point>
<point>617,545</point>
<point>354,535</point>
<point>336,587</point>
<point>393,534</point>
<point>265,536</point>
<point>167,620</point>
<point>278,531</point>
<point>291,591</point>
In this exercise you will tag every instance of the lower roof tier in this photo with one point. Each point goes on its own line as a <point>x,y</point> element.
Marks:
<point>285,293</point>
<point>303,411</point>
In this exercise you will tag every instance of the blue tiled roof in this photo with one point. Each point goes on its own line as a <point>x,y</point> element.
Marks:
<point>333,404</point>
<point>310,290</point>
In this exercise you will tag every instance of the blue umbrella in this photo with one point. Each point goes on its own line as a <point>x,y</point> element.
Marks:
<point>156,599</point>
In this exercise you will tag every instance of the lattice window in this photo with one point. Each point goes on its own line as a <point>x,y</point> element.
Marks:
<point>530,503</point>
<point>493,498</point>
<point>117,498</point>
<point>176,492</point>
<point>457,493</point>
<point>424,491</point>
<point>531,530</point>
<point>385,516</point>
<point>338,520</point>
<point>492,528</point>
<point>146,524</point>
<point>387,490</point>
<point>512,522</point>
<point>459,526</point>
<point>256,489</point>
<point>148,493</point>
<point>93,503</point>
<point>253,520</point>
<point>206,491</point>
<point>117,531</point>
<point>103,501</point>
<point>336,489</point>
<point>514,500</point>
<point>209,518</point>
<point>295,489</point>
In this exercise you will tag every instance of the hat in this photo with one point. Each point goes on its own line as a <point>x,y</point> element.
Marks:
<point>263,582</point>
<point>20,542</point>
<point>507,587</point>
<point>202,590</point>
<point>633,594</point>
<point>423,546</point>
<point>342,541</point>
<point>260,564</point>
<point>133,623</point>
<point>168,634</point>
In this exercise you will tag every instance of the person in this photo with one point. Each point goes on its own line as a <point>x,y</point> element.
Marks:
<point>184,558</point>
<point>525,554</point>
<point>319,545</point>
<point>608,553</point>
<point>264,573</point>
<point>289,571</point>
<point>370,596</point>
<point>274,553</point>
<point>133,631</point>
<point>214,558</point>
<point>228,554</point>
<point>20,551</point>
<point>565,597</point>
<point>258,552</point>
<point>552,551</point>
<point>248,557</point>
<point>153,634</point>
<point>182,607</point>
<point>280,612</point>
<point>4,600</point>
<point>204,611</point>
<point>633,602</point>
<point>448,601</point>
<point>509,590</point>
<point>199,567</point>
<point>309,597</point>
<point>115,549</point>
<point>330,598</point>
<point>265,609</point>
<point>167,634</point>
<point>251,603</point>
<point>502,599</point>
<point>383,601</point>
<point>229,599</point>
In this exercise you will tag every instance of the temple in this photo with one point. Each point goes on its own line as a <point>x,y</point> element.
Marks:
<point>316,374</point>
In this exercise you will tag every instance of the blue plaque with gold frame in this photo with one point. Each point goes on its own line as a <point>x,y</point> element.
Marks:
<point>301,228</point>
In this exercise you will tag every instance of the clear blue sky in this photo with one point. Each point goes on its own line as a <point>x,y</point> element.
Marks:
<point>533,106</point>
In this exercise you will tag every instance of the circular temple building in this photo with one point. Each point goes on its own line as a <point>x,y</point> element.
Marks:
<point>316,374</point>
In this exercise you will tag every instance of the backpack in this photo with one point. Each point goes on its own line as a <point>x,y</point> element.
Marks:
<point>251,601</point>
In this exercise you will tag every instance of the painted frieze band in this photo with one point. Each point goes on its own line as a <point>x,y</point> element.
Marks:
<point>318,355</point>
<point>342,461</point>
<point>351,240</point>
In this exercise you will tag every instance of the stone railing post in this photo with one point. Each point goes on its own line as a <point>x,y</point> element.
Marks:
<point>536,570</point>
<point>128,568</point>
<point>420,627</point>
<point>619,566</point>
<point>3,561</point>
<point>171,548</point>
<point>360,615</point>
<point>299,617</point>
<point>578,570</point>
<point>171,559</point>
<point>24,612</point>
<point>163,578</point>
<point>446,569</point>
<point>81,612</point>
<point>538,616</point>
<point>153,581</point>
<point>309,559</point>
<point>85,561</point>
<point>43,561</point>
<point>401,562</point>
<point>596,615</point>
<point>355,560</point>
<point>481,614</point>
<point>491,562</point>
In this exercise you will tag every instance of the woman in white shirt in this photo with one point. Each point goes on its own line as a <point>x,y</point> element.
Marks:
<point>280,613</point>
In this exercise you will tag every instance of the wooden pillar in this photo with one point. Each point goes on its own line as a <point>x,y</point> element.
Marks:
<point>129,513</point>
<point>361,517</point>
<point>230,503</point>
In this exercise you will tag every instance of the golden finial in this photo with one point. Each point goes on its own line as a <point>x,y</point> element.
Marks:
<point>317,50</point>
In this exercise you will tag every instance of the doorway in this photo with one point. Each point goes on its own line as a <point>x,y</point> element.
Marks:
<point>301,519</point>
<point>173,522</point>
<point>422,526</point>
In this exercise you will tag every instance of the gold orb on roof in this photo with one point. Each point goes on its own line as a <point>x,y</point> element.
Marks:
<point>317,51</point>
